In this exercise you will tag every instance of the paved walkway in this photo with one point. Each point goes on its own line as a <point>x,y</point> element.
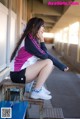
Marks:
<point>65,89</point>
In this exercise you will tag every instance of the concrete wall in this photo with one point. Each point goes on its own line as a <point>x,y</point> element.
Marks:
<point>70,56</point>
<point>13,18</point>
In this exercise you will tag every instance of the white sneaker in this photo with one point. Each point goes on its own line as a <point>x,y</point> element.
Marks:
<point>45,90</point>
<point>40,95</point>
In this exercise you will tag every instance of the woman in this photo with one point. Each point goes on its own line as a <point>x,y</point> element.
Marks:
<point>31,59</point>
<point>26,65</point>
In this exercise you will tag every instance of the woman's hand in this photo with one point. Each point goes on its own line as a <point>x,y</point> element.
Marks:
<point>40,37</point>
<point>66,69</point>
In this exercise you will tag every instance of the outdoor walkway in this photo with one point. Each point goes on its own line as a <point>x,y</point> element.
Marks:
<point>65,89</point>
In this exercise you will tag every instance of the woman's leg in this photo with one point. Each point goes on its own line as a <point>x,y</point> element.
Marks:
<point>41,70</point>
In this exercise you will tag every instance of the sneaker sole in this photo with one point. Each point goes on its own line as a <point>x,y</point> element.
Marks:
<point>40,98</point>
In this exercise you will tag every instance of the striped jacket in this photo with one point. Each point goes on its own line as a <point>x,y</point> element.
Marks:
<point>29,52</point>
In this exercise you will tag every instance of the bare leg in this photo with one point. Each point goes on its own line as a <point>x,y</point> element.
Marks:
<point>40,69</point>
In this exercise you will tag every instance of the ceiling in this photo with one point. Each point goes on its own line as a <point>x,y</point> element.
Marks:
<point>50,14</point>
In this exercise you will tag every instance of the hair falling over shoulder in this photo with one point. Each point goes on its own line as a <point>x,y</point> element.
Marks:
<point>32,27</point>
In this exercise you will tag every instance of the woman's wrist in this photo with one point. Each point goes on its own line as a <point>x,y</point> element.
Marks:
<point>42,40</point>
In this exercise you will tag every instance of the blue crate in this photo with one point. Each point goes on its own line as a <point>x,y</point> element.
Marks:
<point>18,109</point>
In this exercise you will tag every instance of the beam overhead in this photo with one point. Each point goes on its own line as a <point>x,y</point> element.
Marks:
<point>44,9</point>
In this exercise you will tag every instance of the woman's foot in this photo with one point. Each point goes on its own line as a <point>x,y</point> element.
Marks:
<point>66,69</point>
<point>40,95</point>
<point>45,90</point>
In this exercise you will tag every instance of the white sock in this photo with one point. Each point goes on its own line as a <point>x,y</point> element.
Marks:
<point>37,90</point>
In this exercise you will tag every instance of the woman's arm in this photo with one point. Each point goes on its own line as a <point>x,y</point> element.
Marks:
<point>57,63</point>
<point>42,43</point>
<point>43,47</point>
<point>34,48</point>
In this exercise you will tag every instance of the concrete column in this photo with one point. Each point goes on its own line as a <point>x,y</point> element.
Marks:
<point>68,42</point>
<point>78,47</point>
<point>29,10</point>
<point>19,17</point>
<point>8,34</point>
<point>26,10</point>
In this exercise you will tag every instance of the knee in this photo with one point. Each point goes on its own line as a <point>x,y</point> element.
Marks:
<point>50,63</point>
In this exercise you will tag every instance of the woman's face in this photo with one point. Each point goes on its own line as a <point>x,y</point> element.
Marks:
<point>41,30</point>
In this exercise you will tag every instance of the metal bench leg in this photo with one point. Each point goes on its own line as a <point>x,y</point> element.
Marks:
<point>21,93</point>
<point>8,94</point>
<point>3,93</point>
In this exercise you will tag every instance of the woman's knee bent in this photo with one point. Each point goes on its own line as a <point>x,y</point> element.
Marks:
<point>50,63</point>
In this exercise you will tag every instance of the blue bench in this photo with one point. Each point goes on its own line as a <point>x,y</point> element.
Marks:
<point>18,109</point>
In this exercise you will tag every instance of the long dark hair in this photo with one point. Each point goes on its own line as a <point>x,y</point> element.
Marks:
<point>32,27</point>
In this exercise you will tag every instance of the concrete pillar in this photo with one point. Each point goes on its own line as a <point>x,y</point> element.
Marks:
<point>29,10</point>
<point>8,33</point>
<point>78,47</point>
<point>19,17</point>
